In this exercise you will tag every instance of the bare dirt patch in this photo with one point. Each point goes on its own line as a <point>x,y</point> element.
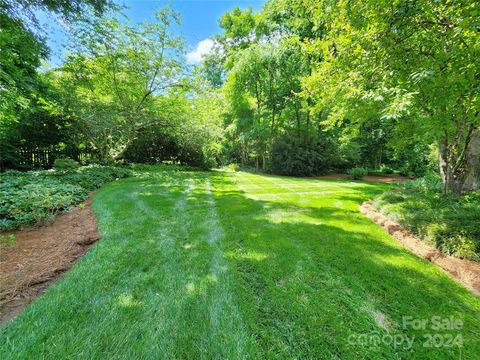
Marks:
<point>41,255</point>
<point>386,179</point>
<point>465,271</point>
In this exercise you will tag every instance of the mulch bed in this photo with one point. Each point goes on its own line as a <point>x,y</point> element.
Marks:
<point>386,179</point>
<point>41,255</point>
<point>465,271</point>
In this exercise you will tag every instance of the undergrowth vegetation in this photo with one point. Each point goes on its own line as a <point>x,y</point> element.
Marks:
<point>304,156</point>
<point>451,223</point>
<point>357,173</point>
<point>32,197</point>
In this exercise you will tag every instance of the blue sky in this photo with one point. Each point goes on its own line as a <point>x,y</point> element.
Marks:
<point>199,21</point>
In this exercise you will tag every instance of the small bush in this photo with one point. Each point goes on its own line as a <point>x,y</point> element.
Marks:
<point>7,240</point>
<point>65,163</point>
<point>94,176</point>
<point>29,202</point>
<point>303,155</point>
<point>405,171</point>
<point>387,170</point>
<point>430,182</point>
<point>357,173</point>
<point>233,167</point>
<point>393,197</point>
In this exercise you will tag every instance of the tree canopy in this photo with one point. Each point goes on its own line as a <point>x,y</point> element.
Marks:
<point>302,87</point>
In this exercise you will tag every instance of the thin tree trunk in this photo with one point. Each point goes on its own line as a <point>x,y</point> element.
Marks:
<point>297,117</point>
<point>444,164</point>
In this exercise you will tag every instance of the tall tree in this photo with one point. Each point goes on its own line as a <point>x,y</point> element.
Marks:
<point>22,49</point>
<point>113,75</point>
<point>415,63</point>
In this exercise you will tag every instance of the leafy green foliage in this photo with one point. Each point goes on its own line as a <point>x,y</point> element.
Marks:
<point>93,177</point>
<point>388,82</point>
<point>7,240</point>
<point>67,9</point>
<point>20,56</point>
<point>33,197</point>
<point>387,170</point>
<point>447,222</point>
<point>271,61</point>
<point>416,89</point>
<point>431,182</point>
<point>357,173</point>
<point>120,79</point>
<point>139,168</point>
<point>22,95</point>
<point>27,199</point>
<point>233,167</point>
<point>65,163</point>
<point>302,156</point>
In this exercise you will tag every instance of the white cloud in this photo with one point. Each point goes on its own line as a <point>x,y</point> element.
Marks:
<point>203,47</point>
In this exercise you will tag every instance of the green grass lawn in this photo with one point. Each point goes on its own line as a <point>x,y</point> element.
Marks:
<point>234,265</point>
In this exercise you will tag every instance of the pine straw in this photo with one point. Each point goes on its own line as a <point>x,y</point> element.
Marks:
<point>464,271</point>
<point>41,255</point>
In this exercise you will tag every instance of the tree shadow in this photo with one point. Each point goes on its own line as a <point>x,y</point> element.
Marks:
<point>295,280</point>
<point>312,274</point>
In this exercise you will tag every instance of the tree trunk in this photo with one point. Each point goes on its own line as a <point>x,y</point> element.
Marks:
<point>443,164</point>
<point>472,160</point>
<point>122,153</point>
<point>459,161</point>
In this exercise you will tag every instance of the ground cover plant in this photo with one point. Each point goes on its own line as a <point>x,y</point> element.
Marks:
<point>32,197</point>
<point>450,223</point>
<point>238,265</point>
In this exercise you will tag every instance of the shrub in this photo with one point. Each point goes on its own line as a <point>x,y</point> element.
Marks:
<point>357,173</point>
<point>233,167</point>
<point>26,202</point>
<point>387,170</point>
<point>303,155</point>
<point>430,182</point>
<point>195,147</point>
<point>94,176</point>
<point>7,240</point>
<point>405,171</point>
<point>65,163</point>
<point>448,222</point>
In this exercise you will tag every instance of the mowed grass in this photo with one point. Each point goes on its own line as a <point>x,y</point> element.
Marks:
<point>219,265</point>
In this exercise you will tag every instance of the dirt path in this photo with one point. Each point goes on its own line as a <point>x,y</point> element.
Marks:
<point>41,255</point>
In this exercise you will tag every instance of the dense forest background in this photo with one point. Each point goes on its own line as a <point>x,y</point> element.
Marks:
<point>302,87</point>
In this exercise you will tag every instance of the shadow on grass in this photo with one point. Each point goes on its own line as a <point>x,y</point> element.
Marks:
<point>297,279</point>
<point>336,270</point>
